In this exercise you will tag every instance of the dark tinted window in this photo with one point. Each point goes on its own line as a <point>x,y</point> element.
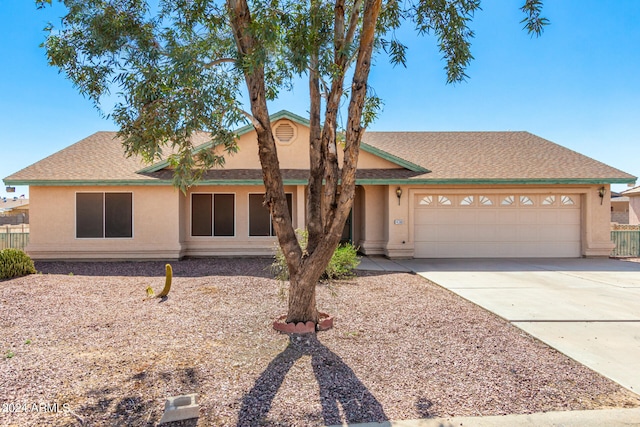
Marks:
<point>223,215</point>
<point>101,215</point>
<point>259,217</point>
<point>89,212</point>
<point>118,216</point>
<point>201,211</point>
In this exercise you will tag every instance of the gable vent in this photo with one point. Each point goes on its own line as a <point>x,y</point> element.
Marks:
<point>285,133</point>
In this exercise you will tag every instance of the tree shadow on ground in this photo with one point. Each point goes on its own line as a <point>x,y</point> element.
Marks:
<point>339,386</point>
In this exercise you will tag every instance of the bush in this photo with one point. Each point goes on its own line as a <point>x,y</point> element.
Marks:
<point>15,263</point>
<point>343,261</point>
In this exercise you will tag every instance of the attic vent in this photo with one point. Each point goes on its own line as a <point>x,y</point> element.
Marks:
<point>285,133</point>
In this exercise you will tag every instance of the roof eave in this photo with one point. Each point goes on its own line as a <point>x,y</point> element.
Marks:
<point>393,159</point>
<point>369,181</point>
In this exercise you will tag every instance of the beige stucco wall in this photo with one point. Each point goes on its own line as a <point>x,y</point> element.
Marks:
<point>162,221</point>
<point>373,205</point>
<point>155,225</point>
<point>292,155</point>
<point>634,210</point>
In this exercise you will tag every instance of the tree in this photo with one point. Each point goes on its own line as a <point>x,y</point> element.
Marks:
<point>179,67</point>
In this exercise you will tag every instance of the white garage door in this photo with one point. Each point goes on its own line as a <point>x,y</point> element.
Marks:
<point>505,225</point>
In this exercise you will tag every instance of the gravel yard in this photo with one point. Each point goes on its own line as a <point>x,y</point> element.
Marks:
<point>80,344</point>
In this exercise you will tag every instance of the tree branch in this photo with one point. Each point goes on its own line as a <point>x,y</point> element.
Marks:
<point>218,62</point>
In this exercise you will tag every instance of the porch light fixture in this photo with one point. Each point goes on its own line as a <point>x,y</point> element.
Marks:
<point>399,194</point>
<point>601,192</point>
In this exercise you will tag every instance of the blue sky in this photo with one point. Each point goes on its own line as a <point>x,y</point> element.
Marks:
<point>578,85</point>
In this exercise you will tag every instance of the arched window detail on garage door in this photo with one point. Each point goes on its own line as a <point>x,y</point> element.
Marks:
<point>526,201</point>
<point>549,200</point>
<point>485,201</point>
<point>467,201</point>
<point>426,200</point>
<point>444,201</point>
<point>566,200</point>
<point>508,201</point>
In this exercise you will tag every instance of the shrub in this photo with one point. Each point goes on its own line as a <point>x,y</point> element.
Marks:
<point>343,261</point>
<point>15,263</point>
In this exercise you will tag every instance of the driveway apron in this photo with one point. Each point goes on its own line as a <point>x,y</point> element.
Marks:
<point>589,309</point>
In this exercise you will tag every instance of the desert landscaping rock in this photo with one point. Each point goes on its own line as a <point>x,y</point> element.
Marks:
<point>85,337</point>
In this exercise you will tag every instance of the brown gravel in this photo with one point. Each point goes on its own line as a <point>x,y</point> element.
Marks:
<point>92,344</point>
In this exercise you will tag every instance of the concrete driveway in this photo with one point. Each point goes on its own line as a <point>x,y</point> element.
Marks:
<point>589,309</point>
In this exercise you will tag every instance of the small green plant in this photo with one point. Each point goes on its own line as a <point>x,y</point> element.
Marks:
<point>28,341</point>
<point>9,354</point>
<point>343,261</point>
<point>15,263</point>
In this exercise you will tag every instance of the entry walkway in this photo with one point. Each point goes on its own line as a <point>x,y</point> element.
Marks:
<point>589,309</point>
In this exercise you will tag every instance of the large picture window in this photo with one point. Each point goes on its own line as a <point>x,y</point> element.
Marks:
<point>213,215</point>
<point>259,216</point>
<point>104,215</point>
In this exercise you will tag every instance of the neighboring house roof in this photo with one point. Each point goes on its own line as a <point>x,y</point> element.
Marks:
<point>8,204</point>
<point>633,192</point>
<point>427,157</point>
<point>620,199</point>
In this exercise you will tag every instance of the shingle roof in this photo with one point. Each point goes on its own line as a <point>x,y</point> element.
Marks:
<point>633,192</point>
<point>99,157</point>
<point>449,156</point>
<point>490,155</point>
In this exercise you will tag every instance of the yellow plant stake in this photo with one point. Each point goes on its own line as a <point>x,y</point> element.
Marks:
<point>167,283</point>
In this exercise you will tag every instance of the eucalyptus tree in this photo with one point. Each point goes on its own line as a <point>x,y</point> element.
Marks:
<point>180,66</point>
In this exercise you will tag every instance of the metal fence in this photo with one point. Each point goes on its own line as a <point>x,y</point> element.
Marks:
<point>13,239</point>
<point>627,243</point>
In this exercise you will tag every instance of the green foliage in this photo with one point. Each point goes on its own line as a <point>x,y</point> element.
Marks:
<point>9,354</point>
<point>343,262</point>
<point>15,263</point>
<point>341,266</point>
<point>176,68</point>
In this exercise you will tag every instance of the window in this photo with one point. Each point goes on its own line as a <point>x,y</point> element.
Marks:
<point>467,201</point>
<point>444,201</point>
<point>526,201</point>
<point>427,200</point>
<point>259,216</point>
<point>213,215</point>
<point>104,215</point>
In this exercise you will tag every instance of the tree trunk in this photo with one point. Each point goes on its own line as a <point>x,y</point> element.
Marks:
<point>302,285</point>
<point>305,271</point>
<point>302,297</point>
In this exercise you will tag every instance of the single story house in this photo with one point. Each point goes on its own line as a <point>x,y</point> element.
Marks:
<point>419,194</point>
<point>634,205</point>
